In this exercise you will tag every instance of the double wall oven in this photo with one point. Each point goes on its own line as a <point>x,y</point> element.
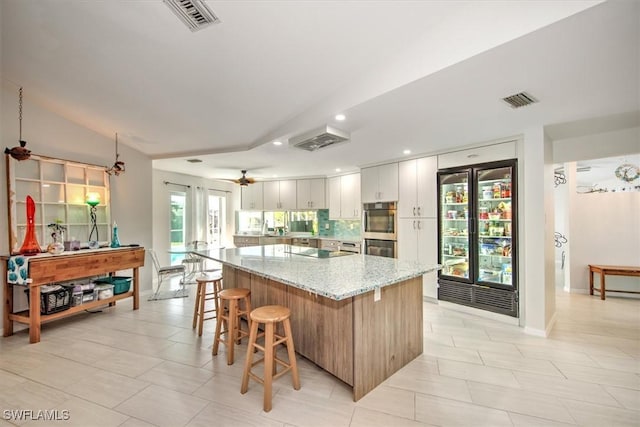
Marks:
<point>380,227</point>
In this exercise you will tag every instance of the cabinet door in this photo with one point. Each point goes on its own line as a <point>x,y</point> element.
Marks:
<point>335,189</point>
<point>350,197</point>
<point>287,194</point>
<point>427,184</point>
<point>317,193</point>
<point>369,183</point>
<point>311,193</point>
<point>271,195</point>
<point>428,254</point>
<point>407,239</point>
<point>388,182</point>
<point>303,193</point>
<point>251,197</point>
<point>408,179</point>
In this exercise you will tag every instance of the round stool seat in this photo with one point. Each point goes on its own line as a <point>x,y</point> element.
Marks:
<point>207,278</point>
<point>234,293</point>
<point>270,314</point>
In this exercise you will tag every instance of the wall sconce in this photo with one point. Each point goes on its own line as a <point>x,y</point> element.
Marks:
<point>93,199</point>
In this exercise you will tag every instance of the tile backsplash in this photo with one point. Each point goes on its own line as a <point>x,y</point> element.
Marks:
<point>337,228</point>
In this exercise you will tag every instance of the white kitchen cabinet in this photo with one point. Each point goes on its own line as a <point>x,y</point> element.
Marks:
<point>418,241</point>
<point>251,197</point>
<point>310,193</point>
<point>344,197</point>
<point>279,195</point>
<point>417,196</point>
<point>380,183</point>
<point>487,153</point>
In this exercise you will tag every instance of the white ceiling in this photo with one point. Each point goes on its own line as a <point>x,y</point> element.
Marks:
<point>418,75</point>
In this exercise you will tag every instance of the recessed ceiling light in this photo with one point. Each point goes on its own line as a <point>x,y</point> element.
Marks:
<point>277,142</point>
<point>338,170</point>
<point>406,152</point>
<point>340,117</point>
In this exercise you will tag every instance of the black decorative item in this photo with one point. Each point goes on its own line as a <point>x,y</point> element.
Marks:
<point>19,153</point>
<point>559,178</point>
<point>560,239</point>
<point>118,166</point>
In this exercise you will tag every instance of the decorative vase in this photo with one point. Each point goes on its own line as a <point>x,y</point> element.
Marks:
<point>30,245</point>
<point>57,246</point>
<point>115,241</point>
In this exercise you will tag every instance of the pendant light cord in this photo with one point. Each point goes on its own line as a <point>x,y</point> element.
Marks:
<point>20,112</point>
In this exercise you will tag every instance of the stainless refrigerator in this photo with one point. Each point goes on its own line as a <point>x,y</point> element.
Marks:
<point>477,235</point>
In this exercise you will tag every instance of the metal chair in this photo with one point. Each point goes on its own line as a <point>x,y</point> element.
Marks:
<point>167,271</point>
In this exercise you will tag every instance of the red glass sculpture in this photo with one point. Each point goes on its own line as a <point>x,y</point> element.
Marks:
<point>30,245</point>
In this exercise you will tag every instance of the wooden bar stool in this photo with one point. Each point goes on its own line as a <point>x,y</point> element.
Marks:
<point>202,296</point>
<point>230,314</point>
<point>270,315</point>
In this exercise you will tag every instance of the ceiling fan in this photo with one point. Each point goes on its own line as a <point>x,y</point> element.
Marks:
<point>243,180</point>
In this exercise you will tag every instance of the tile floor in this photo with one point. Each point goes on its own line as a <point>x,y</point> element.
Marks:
<point>148,367</point>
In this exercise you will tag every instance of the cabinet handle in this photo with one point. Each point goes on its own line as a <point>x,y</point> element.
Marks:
<point>414,224</point>
<point>414,211</point>
<point>419,228</point>
<point>418,210</point>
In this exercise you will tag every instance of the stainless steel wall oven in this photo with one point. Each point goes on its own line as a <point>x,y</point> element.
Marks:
<point>379,221</point>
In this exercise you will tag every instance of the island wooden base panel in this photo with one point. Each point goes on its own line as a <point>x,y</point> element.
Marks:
<point>359,340</point>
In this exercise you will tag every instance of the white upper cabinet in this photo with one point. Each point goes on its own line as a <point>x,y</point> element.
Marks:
<point>344,197</point>
<point>350,197</point>
<point>418,188</point>
<point>251,197</point>
<point>311,193</point>
<point>279,195</point>
<point>380,183</point>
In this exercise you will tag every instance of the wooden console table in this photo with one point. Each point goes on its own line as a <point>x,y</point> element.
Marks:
<point>47,269</point>
<point>612,270</point>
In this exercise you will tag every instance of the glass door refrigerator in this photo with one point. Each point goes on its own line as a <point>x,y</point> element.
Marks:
<point>477,236</point>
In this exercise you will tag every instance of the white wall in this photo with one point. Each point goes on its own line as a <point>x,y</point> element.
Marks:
<point>603,228</point>
<point>162,206</point>
<point>51,135</point>
<point>536,231</point>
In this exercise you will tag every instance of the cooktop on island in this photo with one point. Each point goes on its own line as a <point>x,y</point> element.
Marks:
<point>315,253</point>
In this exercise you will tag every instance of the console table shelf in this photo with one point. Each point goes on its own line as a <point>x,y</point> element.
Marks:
<point>47,269</point>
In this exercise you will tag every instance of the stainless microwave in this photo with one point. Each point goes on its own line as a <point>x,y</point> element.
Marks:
<point>379,221</point>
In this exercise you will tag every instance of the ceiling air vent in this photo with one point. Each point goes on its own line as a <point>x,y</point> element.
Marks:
<point>319,138</point>
<point>194,13</point>
<point>518,100</point>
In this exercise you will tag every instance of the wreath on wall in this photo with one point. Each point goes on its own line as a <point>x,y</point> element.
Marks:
<point>627,172</point>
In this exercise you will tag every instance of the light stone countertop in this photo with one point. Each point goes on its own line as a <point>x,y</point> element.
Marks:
<point>336,277</point>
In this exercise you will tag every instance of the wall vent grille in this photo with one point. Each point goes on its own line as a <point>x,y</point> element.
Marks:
<point>518,100</point>
<point>195,14</point>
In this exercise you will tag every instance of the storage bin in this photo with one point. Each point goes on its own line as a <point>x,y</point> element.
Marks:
<point>120,284</point>
<point>104,291</point>
<point>53,298</point>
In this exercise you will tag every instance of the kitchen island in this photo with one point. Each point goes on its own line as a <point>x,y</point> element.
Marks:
<point>359,317</point>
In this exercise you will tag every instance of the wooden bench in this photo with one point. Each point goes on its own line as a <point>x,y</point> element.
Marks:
<point>612,270</point>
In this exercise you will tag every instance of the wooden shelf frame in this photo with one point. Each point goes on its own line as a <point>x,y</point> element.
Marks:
<point>46,269</point>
